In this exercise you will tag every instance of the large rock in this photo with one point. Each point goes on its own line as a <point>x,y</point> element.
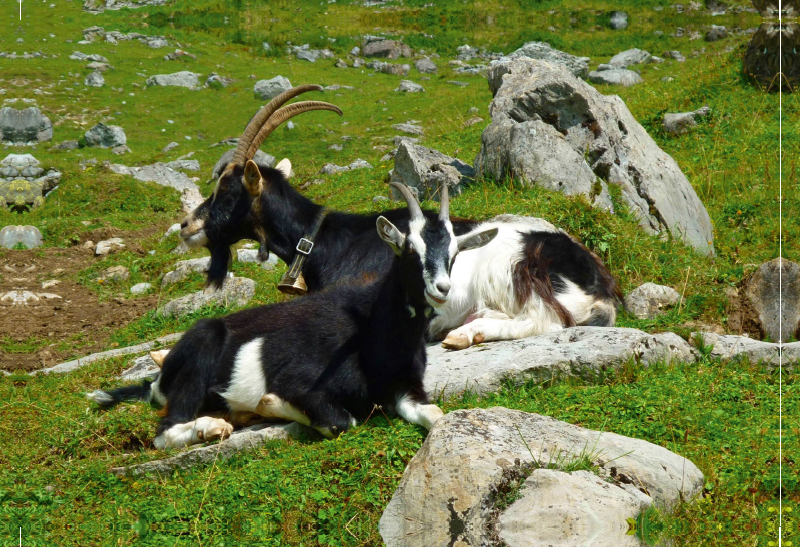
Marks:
<point>649,300</point>
<point>105,136</point>
<point>29,236</point>
<point>390,49</point>
<point>235,291</point>
<point>266,90</point>
<point>577,66</point>
<point>681,122</point>
<point>426,170</point>
<point>629,57</point>
<point>767,304</point>
<point>735,347</point>
<point>449,492</point>
<point>184,78</point>
<point>615,76</point>
<point>24,126</point>
<point>544,113</point>
<point>261,158</point>
<point>586,352</point>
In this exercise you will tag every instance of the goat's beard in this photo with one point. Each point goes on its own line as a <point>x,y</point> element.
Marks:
<point>218,268</point>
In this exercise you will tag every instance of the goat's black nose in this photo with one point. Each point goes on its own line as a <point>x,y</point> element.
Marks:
<point>185,223</point>
<point>444,287</point>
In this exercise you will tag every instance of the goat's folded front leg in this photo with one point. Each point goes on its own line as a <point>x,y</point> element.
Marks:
<point>200,430</point>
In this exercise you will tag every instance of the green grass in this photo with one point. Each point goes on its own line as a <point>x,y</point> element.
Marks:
<point>721,416</point>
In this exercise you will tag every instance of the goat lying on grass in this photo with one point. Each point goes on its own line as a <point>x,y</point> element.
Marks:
<point>322,360</point>
<point>531,279</point>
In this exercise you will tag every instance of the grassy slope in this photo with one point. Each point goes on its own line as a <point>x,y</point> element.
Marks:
<point>332,492</point>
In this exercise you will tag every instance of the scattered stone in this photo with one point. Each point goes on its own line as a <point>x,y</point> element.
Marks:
<point>120,150</point>
<point>756,305</point>
<point>533,137</point>
<point>459,84</point>
<point>141,288</point>
<point>650,300</point>
<point>114,273</point>
<point>95,79</point>
<point>716,33</point>
<point>306,54</point>
<point>578,66</point>
<point>170,147</point>
<point>409,87</point>
<point>235,291</point>
<point>682,122</point>
<point>177,54</point>
<point>251,255</point>
<point>216,81</point>
<point>261,158</point>
<point>618,20</point>
<point>630,57</point>
<point>390,49</point>
<point>356,51</point>
<point>184,268</point>
<point>142,368</point>
<point>241,441</point>
<point>29,236</point>
<point>734,347</point>
<point>27,126</point>
<point>161,174</point>
<point>408,128</point>
<point>266,90</point>
<point>577,351</point>
<point>109,245</point>
<point>470,457</point>
<point>677,55</point>
<point>186,165</point>
<point>615,76</point>
<point>425,171</point>
<point>66,145</point>
<point>157,42</point>
<point>389,68</point>
<point>667,79</point>
<point>331,169</point>
<point>425,66</point>
<point>105,136</point>
<point>341,63</point>
<point>472,121</point>
<point>185,78</point>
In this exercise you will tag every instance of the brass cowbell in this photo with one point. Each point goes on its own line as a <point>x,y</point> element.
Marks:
<point>295,286</point>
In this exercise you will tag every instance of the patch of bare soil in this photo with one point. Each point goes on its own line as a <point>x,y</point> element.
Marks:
<point>41,327</point>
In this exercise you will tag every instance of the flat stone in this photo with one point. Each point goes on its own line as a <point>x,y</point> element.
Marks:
<point>408,128</point>
<point>586,352</point>
<point>615,76</point>
<point>185,78</point>
<point>141,288</point>
<point>95,79</point>
<point>108,245</point>
<point>445,495</point>
<point>66,145</point>
<point>114,273</point>
<point>184,268</point>
<point>142,368</point>
<point>266,90</point>
<point>426,170</point>
<point>629,57</point>
<point>170,147</point>
<point>425,66</point>
<point>682,122</point>
<point>732,347</point>
<point>650,300</point>
<point>235,291</point>
<point>408,86</point>
<point>160,173</point>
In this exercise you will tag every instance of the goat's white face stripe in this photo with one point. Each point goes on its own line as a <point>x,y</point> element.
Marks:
<point>435,269</point>
<point>247,384</point>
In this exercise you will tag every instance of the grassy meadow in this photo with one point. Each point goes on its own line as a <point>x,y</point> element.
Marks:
<point>57,449</point>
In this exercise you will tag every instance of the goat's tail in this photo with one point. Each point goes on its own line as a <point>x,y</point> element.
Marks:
<point>140,392</point>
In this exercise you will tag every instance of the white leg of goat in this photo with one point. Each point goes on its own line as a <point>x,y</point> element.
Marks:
<point>487,329</point>
<point>201,430</point>
<point>416,413</point>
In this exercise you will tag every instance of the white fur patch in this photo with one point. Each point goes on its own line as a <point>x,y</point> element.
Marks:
<point>156,395</point>
<point>415,413</point>
<point>100,397</point>
<point>248,384</point>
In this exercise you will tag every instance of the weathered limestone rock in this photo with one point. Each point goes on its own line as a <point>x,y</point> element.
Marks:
<point>729,346</point>
<point>629,57</point>
<point>757,307</point>
<point>266,90</point>
<point>184,78</point>
<point>577,351</point>
<point>24,126</point>
<point>615,76</point>
<point>94,79</point>
<point>184,268</point>
<point>577,66</point>
<point>390,49</point>
<point>425,66</point>
<point>716,33</point>
<point>331,168</point>
<point>141,288</point>
<point>408,86</point>
<point>542,113</point>
<point>426,170</point>
<point>235,291</point>
<point>142,368</point>
<point>105,136</point>
<point>683,121</point>
<point>242,440</point>
<point>108,245</point>
<point>649,300</point>
<point>114,273</point>
<point>445,497</point>
<point>30,236</point>
<point>159,173</point>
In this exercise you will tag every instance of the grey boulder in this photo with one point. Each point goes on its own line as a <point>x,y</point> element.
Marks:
<point>235,291</point>
<point>410,87</point>
<point>29,236</point>
<point>540,134</point>
<point>390,49</point>
<point>716,33</point>
<point>266,90</point>
<point>629,57</point>
<point>585,352</point>
<point>141,288</point>
<point>681,122</point>
<point>425,170</point>
<point>105,136</point>
<point>577,66</point>
<point>24,126</point>
<point>615,76</point>
<point>95,79</point>
<point>447,495</point>
<point>735,347</point>
<point>185,78</point>
<point>425,66</point>
<point>184,268</point>
<point>649,300</point>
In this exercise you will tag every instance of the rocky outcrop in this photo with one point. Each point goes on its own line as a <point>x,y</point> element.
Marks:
<point>27,126</point>
<point>587,352</point>
<point>451,488</point>
<point>541,51</point>
<point>554,130</point>
<point>425,171</point>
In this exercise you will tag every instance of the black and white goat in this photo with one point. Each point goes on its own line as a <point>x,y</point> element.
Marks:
<point>531,279</point>
<point>323,360</point>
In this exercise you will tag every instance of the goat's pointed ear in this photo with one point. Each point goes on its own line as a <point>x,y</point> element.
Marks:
<point>475,240</point>
<point>391,235</point>
<point>252,178</point>
<point>285,167</point>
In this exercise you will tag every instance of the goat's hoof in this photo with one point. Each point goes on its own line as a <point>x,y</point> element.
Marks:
<point>458,341</point>
<point>159,356</point>
<point>214,429</point>
<point>478,338</point>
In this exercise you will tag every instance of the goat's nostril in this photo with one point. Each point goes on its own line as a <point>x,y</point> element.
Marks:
<point>444,287</point>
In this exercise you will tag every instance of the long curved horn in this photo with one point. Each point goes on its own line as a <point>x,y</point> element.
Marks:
<point>262,116</point>
<point>413,205</point>
<point>444,208</point>
<point>289,111</point>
